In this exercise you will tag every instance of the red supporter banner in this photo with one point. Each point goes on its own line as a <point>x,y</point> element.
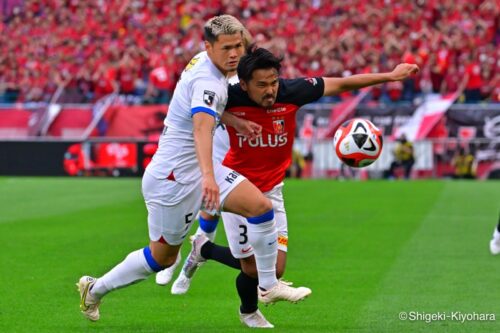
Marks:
<point>70,123</point>
<point>426,116</point>
<point>135,121</point>
<point>14,123</point>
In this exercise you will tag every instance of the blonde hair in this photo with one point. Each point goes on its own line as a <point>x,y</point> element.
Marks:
<point>222,25</point>
<point>247,38</point>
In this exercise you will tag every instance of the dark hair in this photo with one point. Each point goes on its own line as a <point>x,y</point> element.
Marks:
<point>257,58</point>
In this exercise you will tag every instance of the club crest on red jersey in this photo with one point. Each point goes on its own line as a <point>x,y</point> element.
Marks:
<point>279,126</point>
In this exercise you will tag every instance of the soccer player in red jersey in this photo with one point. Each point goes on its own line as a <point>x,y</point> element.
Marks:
<point>266,99</point>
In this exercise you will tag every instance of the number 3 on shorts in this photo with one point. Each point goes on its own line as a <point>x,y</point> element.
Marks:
<point>243,234</point>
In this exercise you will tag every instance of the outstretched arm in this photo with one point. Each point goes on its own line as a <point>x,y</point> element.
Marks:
<point>334,86</point>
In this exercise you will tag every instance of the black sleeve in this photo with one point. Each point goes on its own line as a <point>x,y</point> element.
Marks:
<point>301,91</point>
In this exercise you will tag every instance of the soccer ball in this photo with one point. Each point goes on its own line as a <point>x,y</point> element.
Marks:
<point>358,142</point>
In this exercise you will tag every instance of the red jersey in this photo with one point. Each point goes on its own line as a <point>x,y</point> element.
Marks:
<point>474,72</point>
<point>264,160</point>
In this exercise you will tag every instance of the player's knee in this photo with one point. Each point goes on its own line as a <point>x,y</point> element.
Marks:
<point>249,267</point>
<point>207,216</point>
<point>262,206</point>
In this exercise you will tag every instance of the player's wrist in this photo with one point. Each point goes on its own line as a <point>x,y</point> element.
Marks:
<point>207,174</point>
<point>237,123</point>
<point>389,77</point>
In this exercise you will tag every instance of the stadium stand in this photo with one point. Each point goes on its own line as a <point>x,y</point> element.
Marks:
<point>84,70</point>
<point>93,48</point>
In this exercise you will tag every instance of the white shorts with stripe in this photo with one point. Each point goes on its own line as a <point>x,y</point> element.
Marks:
<point>236,226</point>
<point>172,207</point>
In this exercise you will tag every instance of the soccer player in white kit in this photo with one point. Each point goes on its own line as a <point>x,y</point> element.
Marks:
<point>220,148</point>
<point>181,178</point>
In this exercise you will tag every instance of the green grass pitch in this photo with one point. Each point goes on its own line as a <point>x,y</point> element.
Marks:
<point>368,250</point>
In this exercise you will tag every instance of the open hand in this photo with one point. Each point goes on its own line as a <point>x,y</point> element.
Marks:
<point>210,194</point>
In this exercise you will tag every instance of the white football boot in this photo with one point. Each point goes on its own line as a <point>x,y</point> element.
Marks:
<point>89,305</point>
<point>181,284</point>
<point>163,277</point>
<point>193,261</point>
<point>283,292</point>
<point>255,320</point>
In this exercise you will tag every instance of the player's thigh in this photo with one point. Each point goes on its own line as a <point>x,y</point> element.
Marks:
<point>170,216</point>
<point>239,195</point>
<point>227,179</point>
<point>236,228</point>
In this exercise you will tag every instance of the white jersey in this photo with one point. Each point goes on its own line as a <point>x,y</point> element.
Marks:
<point>221,143</point>
<point>201,88</point>
<point>221,137</point>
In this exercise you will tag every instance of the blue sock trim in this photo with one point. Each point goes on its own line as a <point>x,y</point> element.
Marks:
<point>151,261</point>
<point>266,217</point>
<point>208,226</point>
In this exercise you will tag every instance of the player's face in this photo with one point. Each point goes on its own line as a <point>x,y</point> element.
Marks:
<point>263,87</point>
<point>226,52</point>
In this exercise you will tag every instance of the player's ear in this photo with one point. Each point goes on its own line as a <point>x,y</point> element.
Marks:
<point>208,46</point>
<point>243,85</point>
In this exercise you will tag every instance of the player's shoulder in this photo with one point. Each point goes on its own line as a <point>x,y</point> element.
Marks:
<point>201,68</point>
<point>291,86</point>
<point>238,97</point>
<point>204,78</point>
<point>196,63</point>
<point>235,90</point>
<point>300,91</point>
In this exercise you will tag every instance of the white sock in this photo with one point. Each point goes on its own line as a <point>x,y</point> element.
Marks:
<point>264,239</point>
<point>133,269</point>
<point>210,235</point>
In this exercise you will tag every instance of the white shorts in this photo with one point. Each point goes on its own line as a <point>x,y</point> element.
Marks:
<point>172,207</point>
<point>236,226</point>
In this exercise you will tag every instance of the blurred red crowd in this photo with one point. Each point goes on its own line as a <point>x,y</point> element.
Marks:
<point>139,47</point>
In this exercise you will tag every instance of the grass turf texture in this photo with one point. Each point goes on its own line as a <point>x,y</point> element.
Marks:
<point>368,250</point>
